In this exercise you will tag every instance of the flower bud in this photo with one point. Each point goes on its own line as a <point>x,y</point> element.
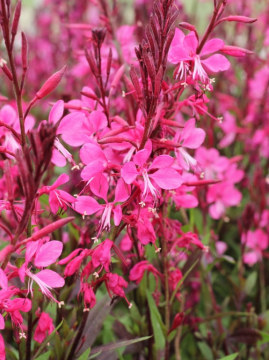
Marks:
<point>51,83</point>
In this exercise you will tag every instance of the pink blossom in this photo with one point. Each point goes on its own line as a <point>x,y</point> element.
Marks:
<point>191,138</point>
<point>87,205</point>
<point>255,241</point>
<point>183,51</point>
<point>2,348</point>
<point>58,198</point>
<point>222,195</point>
<point>44,327</point>
<point>137,272</point>
<point>160,172</point>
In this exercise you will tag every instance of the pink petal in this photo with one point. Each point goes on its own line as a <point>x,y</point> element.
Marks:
<point>92,169</point>
<point>99,186</point>
<point>177,54</point>
<point>3,279</point>
<point>251,258</point>
<point>51,278</point>
<point>98,120</point>
<point>62,179</point>
<point>217,210</point>
<point>117,215</point>
<point>58,159</point>
<point>56,112</point>
<point>54,202</point>
<point>91,152</point>
<point>2,324</point>
<point>187,201</point>
<point>167,178</point>
<point>190,43</point>
<point>90,103</point>
<point>192,137</point>
<point>141,157</point>
<point>121,191</point>
<point>28,123</point>
<point>71,129</point>
<point>31,249</point>
<point>212,46</point>
<point>48,253</point>
<point>8,115</point>
<point>162,161</point>
<point>216,63</point>
<point>178,38</point>
<point>86,205</point>
<point>129,172</point>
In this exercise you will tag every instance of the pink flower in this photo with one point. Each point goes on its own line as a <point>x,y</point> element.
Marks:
<point>255,241</point>
<point>87,205</point>
<point>43,256</point>
<point>190,137</point>
<point>58,198</point>
<point>222,195</point>
<point>44,327</point>
<point>183,51</point>
<point>101,255</point>
<point>160,172</point>
<point>2,348</point>
<point>88,295</point>
<point>137,272</point>
<point>115,284</point>
<point>95,159</point>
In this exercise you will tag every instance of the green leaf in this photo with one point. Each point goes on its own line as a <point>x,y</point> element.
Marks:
<point>182,280</point>
<point>205,350</point>
<point>93,356</point>
<point>117,345</point>
<point>230,357</point>
<point>44,356</point>
<point>48,339</point>
<point>85,355</point>
<point>156,321</point>
<point>250,282</point>
<point>264,339</point>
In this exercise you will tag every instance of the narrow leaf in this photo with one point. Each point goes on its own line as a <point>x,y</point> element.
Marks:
<point>156,321</point>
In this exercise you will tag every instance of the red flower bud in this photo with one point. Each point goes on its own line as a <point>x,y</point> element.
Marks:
<point>16,19</point>
<point>238,18</point>
<point>24,52</point>
<point>48,229</point>
<point>51,83</point>
<point>235,51</point>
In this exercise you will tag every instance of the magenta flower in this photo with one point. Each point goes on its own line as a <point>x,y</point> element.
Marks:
<point>160,172</point>
<point>255,241</point>
<point>222,195</point>
<point>87,205</point>
<point>95,159</point>
<point>2,348</point>
<point>88,295</point>
<point>43,256</point>
<point>137,272</point>
<point>58,198</point>
<point>44,327</point>
<point>115,284</point>
<point>183,51</point>
<point>190,137</point>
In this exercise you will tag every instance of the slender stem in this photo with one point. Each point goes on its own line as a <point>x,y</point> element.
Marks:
<point>29,335</point>
<point>262,288</point>
<point>78,336</point>
<point>211,25</point>
<point>16,86</point>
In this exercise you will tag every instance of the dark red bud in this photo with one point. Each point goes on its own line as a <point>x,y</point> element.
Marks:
<point>16,19</point>
<point>24,51</point>
<point>51,83</point>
